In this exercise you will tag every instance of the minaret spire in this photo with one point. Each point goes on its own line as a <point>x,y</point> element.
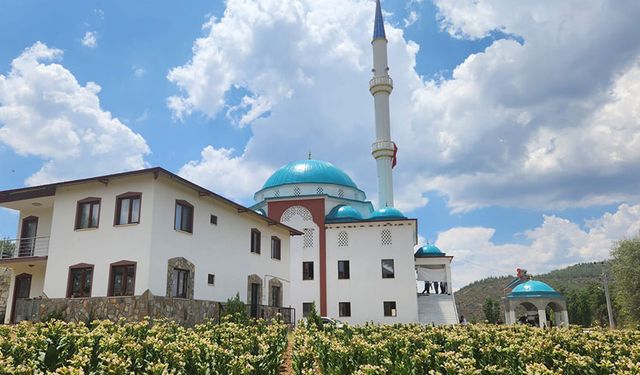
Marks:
<point>381,86</point>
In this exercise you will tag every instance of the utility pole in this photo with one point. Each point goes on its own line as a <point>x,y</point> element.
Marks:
<point>605,281</point>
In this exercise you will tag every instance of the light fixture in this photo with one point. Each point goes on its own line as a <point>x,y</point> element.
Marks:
<point>37,204</point>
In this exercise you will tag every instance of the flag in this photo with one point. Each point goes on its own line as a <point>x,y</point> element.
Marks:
<point>395,156</point>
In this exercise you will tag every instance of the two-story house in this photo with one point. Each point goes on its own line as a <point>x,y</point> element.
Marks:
<point>124,234</point>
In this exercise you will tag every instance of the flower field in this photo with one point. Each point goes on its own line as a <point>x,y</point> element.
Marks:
<point>141,348</point>
<point>159,347</point>
<point>415,349</point>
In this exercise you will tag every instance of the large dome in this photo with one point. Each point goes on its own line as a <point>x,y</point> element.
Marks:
<point>309,171</point>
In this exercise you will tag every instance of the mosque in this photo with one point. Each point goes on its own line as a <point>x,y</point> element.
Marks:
<point>355,262</point>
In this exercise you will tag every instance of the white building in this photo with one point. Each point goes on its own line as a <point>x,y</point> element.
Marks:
<point>322,241</point>
<point>123,234</point>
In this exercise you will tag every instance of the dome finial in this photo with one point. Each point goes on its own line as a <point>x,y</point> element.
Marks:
<point>309,155</point>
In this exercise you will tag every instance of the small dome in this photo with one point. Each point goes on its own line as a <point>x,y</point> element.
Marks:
<point>429,250</point>
<point>387,213</point>
<point>343,213</point>
<point>261,212</point>
<point>309,171</point>
<point>533,288</point>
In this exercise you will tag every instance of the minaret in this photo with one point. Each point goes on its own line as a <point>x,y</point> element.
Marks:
<point>380,86</point>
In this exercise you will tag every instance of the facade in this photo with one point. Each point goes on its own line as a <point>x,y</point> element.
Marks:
<point>312,238</point>
<point>124,234</point>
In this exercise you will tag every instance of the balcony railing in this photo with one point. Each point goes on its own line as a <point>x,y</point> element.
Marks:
<point>24,247</point>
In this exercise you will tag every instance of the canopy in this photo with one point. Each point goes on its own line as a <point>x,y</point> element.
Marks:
<point>431,274</point>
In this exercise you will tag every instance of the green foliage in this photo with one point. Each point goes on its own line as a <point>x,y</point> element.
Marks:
<point>313,318</point>
<point>472,349</point>
<point>235,310</point>
<point>54,315</point>
<point>625,265</point>
<point>146,347</point>
<point>7,247</point>
<point>491,310</point>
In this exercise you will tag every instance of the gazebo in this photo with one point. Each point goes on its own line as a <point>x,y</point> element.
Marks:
<point>535,296</point>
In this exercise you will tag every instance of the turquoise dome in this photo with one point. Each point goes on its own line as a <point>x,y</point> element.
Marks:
<point>309,171</point>
<point>387,213</point>
<point>533,288</point>
<point>343,213</point>
<point>429,251</point>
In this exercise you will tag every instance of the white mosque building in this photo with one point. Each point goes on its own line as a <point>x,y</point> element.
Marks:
<point>151,231</point>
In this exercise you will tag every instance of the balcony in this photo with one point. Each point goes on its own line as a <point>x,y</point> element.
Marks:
<point>23,248</point>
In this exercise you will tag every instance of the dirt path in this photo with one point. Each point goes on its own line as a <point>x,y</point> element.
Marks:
<point>286,368</point>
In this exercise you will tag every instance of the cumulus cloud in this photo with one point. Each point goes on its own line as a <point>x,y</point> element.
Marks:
<point>545,117</point>
<point>90,39</point>
<point>228,175</point>
<point>556,243</point>
<point>45,112</point>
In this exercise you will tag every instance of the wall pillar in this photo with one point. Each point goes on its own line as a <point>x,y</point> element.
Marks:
<point>565,318</point>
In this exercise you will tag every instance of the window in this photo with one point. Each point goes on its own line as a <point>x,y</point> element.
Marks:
<point>307,270</point>
<point>385,237</point>
<point>307,238</point>
<point>306,308</point>
<point>344,308</point>
<point>184,216</point>
<point>128,209</point>
<point>211,279</point>
<point>296,190</point>
<point>88,213</point>
<point>180,283</point>
<point>80,278</point>
<point>275,247</point>
<point>343,239</point>
<point>388,271</point>
<point>255,241</point>
<point>343,269</point>
<point>275,296</point>
<point>122,279</point>
<point>213,219</point>
<point>390,308</point>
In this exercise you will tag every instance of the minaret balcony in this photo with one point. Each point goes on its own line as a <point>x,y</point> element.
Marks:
<point>380,149</point>
<point>377,84</point>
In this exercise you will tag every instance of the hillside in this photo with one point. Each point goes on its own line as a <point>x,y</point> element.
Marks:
<point>578,277</point>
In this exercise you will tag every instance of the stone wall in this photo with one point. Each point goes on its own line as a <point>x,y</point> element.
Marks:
<point>5,282</point>
<point>186,312</point>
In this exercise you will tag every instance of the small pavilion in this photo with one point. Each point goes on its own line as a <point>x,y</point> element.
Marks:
<point>535,296</point>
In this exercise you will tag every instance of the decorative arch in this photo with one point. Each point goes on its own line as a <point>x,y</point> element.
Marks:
<point>296,212</point>
<point>180,263</point>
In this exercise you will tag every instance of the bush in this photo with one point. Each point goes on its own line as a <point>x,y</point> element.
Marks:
<point>235,311</point>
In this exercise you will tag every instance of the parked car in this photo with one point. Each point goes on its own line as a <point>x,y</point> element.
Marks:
<point>332,322</point>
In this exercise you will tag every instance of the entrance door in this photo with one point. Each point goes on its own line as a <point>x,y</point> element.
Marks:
<point>28,236</point>
<point>21,290</point>
<point>255,296</point>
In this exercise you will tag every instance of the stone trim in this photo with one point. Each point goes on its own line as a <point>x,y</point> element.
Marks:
<point>183,264</point>
<point>274,282</point>
<point>254,279</point>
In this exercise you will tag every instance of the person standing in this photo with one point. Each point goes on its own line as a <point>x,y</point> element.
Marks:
<point>427,288</point>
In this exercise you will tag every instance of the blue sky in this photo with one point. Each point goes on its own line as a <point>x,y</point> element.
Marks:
<point>517,124</point>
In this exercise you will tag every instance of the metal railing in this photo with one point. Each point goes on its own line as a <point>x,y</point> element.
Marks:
<point>24,247</point>
<point>384,80</point>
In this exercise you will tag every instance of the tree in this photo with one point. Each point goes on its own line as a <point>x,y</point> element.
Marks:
<point>491,310</point>
<point>235,310</point>
<point>625,264</point>
<point>7,247</point>
<point>313,318</point>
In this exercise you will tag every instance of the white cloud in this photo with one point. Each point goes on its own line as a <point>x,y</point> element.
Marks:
<point>138,72</point>
<point>45,112</point>
<point>556,243</point>
<point>225,174</point>
<point>411,18</point>
<point>547,119</point>
<point>90,39</point>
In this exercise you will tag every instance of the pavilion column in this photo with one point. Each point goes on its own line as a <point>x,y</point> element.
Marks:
<point>542,317</point>
<point>565,318</point>
<point>511,316</point>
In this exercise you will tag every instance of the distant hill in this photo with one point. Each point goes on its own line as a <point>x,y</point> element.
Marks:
<point>578,277</point>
